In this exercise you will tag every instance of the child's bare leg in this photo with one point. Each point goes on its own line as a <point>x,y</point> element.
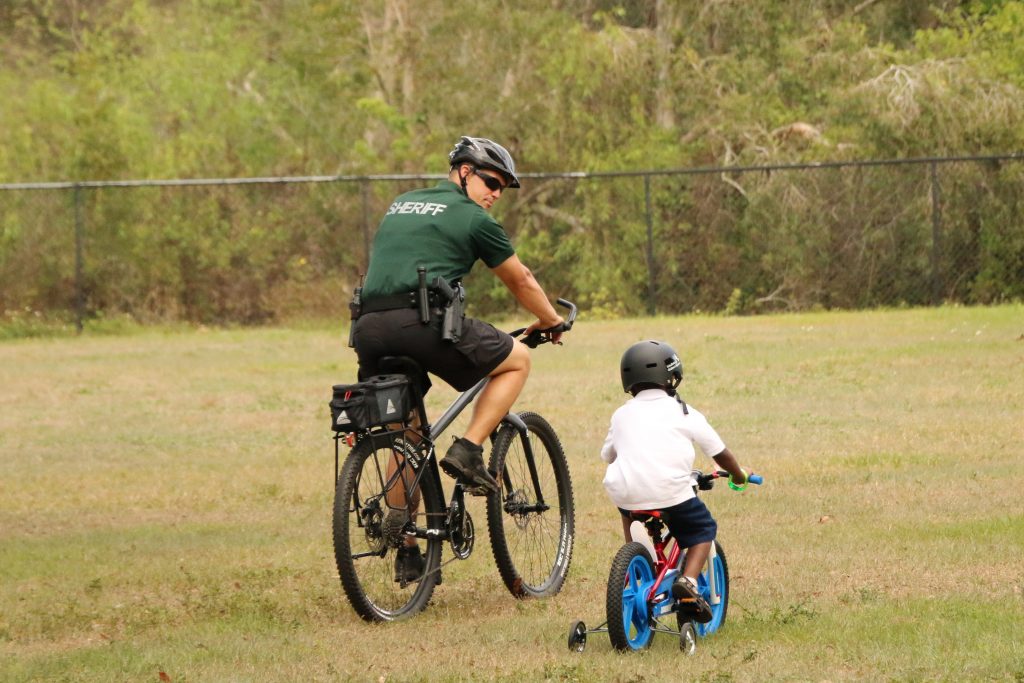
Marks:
<point>626,522</point>
<point>696,556</point>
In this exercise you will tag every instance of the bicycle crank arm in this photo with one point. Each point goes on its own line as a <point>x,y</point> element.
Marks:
<point>442,534</point>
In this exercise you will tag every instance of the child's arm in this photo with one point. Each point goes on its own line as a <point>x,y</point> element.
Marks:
<point>608,453</point>
<point>727,461</point>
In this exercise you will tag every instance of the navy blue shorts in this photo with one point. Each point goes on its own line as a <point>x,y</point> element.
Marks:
<point>690,522</point>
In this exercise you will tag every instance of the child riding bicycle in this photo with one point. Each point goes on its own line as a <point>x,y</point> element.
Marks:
<point>650,454</point>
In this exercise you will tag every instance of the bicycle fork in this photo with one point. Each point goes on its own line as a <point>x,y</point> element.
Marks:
<point>524,437</point>
<point>715,596</point>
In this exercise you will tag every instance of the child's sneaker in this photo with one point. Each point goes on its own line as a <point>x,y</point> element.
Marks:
<point>690,602</point>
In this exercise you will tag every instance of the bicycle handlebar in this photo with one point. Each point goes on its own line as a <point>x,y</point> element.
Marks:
<point>538,337</point>
<point>706,481</point>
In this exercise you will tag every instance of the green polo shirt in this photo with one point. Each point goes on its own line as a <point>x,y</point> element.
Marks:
<point>436,227</point>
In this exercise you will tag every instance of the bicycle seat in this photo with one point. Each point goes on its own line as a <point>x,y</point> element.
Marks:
<point>644,515</point>
<point>398,365</point>
<point>403,365</point>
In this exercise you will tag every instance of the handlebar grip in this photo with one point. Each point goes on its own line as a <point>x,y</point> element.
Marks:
<point>571,318</point>
<point>755,479</point>
<point>537,337</point>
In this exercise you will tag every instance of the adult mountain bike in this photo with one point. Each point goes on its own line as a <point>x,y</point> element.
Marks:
<point>389,489</point>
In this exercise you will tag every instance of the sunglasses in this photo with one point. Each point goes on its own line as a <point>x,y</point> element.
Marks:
<point>492,183</point>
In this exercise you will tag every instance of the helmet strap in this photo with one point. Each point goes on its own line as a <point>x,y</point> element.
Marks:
<point>462,179</point>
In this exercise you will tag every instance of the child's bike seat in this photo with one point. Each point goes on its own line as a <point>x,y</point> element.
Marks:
<point>644,515</point>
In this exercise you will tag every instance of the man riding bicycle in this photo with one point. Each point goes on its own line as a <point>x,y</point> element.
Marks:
<point>444,230</point>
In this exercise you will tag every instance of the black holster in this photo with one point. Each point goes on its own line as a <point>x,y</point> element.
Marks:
<point>355,308</point>
<point>454,311</point>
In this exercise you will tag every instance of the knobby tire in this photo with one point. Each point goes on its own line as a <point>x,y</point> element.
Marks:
<point>631,575</point>
<point>366,564</point>
<point>532,548</point>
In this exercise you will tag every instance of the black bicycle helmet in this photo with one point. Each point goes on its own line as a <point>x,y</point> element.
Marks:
<point>651,362</point>
<point>484,153</point>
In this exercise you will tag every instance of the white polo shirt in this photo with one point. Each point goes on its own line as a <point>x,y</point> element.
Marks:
<point>649,451</point>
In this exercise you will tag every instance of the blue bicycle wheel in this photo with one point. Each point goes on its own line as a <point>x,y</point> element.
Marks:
<point>719,602</point>
<point>630,579</point>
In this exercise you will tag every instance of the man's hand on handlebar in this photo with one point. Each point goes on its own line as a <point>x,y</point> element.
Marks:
<point>544,331</point>
<point>547,331</point>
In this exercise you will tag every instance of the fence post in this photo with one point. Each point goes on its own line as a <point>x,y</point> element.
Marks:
<point>365,192</point>
<point>936,235</point>
<point>79,257</point>
<point>652,304</point>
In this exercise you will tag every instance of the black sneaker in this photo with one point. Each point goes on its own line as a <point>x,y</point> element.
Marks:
<point>690,602</point>
<point>409,564</point>
<point>465,463</point>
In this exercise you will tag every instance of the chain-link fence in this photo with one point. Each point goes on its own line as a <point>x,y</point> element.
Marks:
<point>737,239</point>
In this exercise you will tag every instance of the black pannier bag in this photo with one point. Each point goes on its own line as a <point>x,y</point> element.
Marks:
<point>379,400</point>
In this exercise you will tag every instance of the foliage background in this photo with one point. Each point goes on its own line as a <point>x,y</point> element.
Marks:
<point>141,89</point>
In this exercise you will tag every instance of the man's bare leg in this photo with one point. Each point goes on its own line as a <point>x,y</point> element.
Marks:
<point>494,402</point>
<point>396,496</point>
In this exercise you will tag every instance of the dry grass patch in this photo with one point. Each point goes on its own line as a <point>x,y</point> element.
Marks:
<point>165,506</point>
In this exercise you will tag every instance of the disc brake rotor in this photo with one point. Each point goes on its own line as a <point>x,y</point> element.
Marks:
<point>515,505</point>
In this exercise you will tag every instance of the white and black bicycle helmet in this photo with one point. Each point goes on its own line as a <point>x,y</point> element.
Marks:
<point>651,362</point>
<point>484,153</point>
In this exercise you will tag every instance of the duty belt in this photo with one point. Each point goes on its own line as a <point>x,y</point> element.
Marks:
<point>393,302</point>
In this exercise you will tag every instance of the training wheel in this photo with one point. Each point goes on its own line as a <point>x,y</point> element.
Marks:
<point>687,639</point>
<point>578,637</point>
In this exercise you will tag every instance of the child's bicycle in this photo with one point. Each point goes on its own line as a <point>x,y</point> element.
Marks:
<point>393,469</point>
<point>640,588</point>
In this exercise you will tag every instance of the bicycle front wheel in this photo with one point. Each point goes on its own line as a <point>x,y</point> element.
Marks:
<point>713,585</point>
<point>366,545</point>
<point>531,521</point>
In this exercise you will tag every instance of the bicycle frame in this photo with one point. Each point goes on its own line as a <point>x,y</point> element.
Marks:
<point>666,569</point>
<point>663,565</point>
<point>428,435</point>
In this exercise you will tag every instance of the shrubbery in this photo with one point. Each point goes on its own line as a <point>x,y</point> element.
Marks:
<point>128,89</point>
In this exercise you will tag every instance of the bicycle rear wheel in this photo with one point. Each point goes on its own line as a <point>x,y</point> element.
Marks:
<point>365,548</point>
<point>531,522</point>
<point>630,579</point>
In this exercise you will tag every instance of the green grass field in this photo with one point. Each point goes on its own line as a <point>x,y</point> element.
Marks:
<point>165,503</point>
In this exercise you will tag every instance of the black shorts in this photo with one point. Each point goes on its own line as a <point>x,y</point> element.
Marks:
<point>689,522</point>
<point>400,333</point>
